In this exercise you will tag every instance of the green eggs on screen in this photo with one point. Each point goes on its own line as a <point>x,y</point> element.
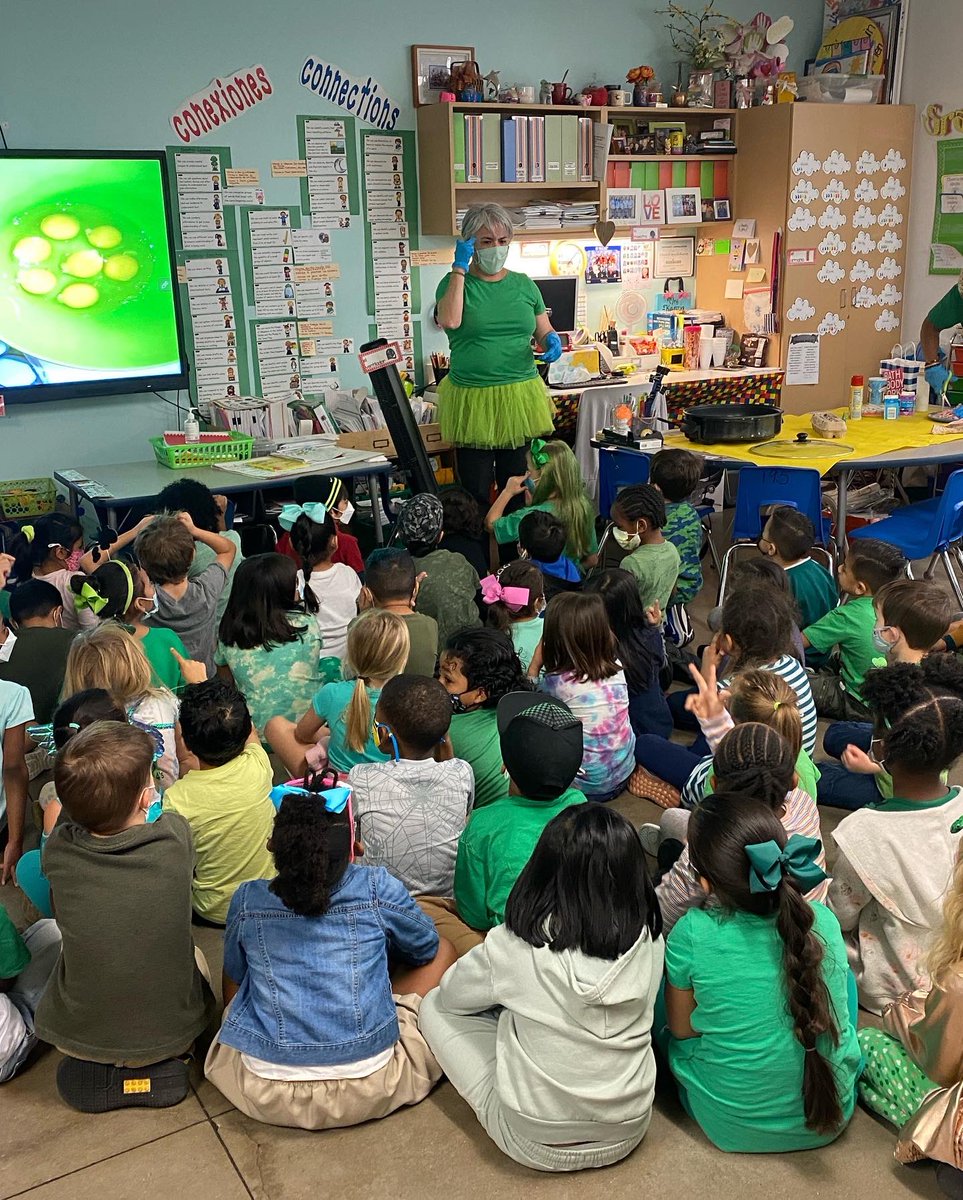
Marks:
<point>60,226</point>
<point>82,254</point>
<point>32,250</point>
<point>37,281</point>
<point>104,237</point>
<point>79,295</point>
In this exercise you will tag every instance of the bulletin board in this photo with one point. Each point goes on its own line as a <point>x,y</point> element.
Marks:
<point>948,218</point>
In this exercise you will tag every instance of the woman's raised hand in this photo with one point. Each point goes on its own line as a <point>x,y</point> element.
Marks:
<point>464,249</point>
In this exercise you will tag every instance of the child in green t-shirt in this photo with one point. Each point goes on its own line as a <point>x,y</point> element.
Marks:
<point>676,473</point>
<point>869,566</point>
<point>787,538</point>
<point>26,963</point>
<point>639,516</point>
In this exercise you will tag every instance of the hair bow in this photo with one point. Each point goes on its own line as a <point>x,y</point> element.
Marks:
<point>512,597</point>
<point>334,799</point>
<point>540,455</point>
<point>768,864</point>
<point>289,513</point>
<point>28,532</point>
<point>89,597</point>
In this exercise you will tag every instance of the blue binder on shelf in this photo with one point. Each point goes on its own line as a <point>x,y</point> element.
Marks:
<point>509,160</point>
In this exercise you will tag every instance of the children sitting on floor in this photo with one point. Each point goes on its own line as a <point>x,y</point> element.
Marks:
<point>478,667</point>
<point>391,586</point>
<point>449,590</point>
<point>786,539</point>
<point>896,859</point>
<point>911,616</point>
<point>581,670</point>
<point>27,961</point>
<point>330,589</point>
<point>38,658</point>
<point>51,548</point>
<point>767,572</point>
<point>553,484</point>
<point>208,511</point>
<point>676,473</point>
<point>411,809</point>
<point>188,606</point>
<point>869,565</point>
<point>540,742</point>
<point>333,494</point>
<point>267,644</point>
<point>545,1028</point>
<point>464,528</point>
<point>226,801</point>
<point>127,999</point>
<point>761,1020</point>
<point>541,540</point>
<point>324,970</point>
<point>338,727</point>
<point>515,599</point>
<point>16,713</point>
<point>639,516</point>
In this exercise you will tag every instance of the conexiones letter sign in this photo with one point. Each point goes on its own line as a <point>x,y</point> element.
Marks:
<point>221,101</point>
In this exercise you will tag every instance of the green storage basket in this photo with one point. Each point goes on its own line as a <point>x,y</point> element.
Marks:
<point>27,497</point>
<point>203,454</point>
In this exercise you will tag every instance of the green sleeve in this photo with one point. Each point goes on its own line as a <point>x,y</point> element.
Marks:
<point>506,528</point>
<point>14,954</point>
<point>442,287</point>
<point>538,302</point>
<point>829,630</point>
<point>4,604</point>
<point>678,952</point>
<point>948,311</point>
<point>470,887</point>
<point>808,774</point>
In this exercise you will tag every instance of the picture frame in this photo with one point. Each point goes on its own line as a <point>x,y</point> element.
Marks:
<point>431,70</point>
<point>708,212</point>
<point>890,16</point>
<point>683,206</point>
<point>722,210</point>
<point>674,256</point>
<point>652,206</point>
<point>624,206</point>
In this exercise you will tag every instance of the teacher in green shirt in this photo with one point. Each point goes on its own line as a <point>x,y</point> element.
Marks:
<point>492,401</point>
<point>943,315</point>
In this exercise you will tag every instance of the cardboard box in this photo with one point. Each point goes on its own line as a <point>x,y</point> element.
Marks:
<point>378,441</point>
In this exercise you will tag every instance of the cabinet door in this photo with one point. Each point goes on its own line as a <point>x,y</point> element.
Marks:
<point>857,160</point>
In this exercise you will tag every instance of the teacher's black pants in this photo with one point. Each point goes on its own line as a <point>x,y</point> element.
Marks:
<point>478,469</point>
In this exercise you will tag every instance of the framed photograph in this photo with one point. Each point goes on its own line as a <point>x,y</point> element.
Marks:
<point>683,206</point>
<point>721,210</point>
<point>674,256</point>
<point>625,206</point>
<point>431,70</point>
<point>603,264</point>
<point>708,213</point>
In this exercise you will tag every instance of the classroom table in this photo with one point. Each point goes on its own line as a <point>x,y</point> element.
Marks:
<point>137,482</point>
<point>940,450</point>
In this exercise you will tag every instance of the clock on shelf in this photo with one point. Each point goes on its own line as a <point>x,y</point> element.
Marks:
<point>567,258</point>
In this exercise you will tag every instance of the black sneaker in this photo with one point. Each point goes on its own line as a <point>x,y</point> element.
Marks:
<point>98,1087</point>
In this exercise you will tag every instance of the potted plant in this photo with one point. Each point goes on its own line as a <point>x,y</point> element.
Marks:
<point>641,81</point>
<point>698,36</point>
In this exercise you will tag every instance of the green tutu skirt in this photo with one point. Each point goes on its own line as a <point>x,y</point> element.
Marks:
<point>492,418</point>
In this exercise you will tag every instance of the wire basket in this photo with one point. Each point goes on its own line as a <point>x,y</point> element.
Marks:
<point>27,497</point>
<point>202,454</point>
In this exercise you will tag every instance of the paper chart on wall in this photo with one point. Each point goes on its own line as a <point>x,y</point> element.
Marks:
<point>802,359</point>
<point>637,259</point>
<point>329,187</point>
<point>211,306</point>
<point>197,185</point>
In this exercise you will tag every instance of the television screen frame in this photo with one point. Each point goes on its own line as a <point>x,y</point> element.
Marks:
<point>128,385</point>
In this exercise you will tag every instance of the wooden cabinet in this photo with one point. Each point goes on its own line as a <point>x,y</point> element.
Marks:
<point>824,175</point>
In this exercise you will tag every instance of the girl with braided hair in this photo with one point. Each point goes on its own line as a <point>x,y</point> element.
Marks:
<point>758,996</point>
<point>639,517</point>
<point>896,860</point>
<point>753,761</point>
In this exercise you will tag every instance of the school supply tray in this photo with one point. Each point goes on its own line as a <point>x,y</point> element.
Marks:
<point>238,448</point>
<point>27,497</point>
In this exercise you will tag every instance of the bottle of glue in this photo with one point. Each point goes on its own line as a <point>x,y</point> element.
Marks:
<point>856,394</point>
<point>192,426</point>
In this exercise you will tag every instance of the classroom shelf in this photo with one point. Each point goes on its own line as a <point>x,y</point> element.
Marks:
<point>590,186</point>
<point>671,157</point>
<point>662,113</point>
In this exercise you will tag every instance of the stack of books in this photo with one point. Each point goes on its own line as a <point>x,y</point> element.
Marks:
<point>497,148</point>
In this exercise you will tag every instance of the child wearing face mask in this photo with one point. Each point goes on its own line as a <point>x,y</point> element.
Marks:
<point>127,999</point>
<point>911,615</point>
<point>119,590</point>
<point>332,493</point>
<point>516,601</point>
<point>639,517</point>
<point>553,484</point>
<point>52,549</point>
<point>38,656</point>
<point>477,668</point>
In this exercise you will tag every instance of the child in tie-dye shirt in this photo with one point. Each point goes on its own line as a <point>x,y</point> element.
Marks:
<point>578,656</point>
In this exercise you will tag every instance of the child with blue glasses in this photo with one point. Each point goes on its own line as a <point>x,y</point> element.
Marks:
<point>293,1049</point>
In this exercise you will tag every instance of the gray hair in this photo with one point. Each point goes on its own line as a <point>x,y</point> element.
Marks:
<point>492,215</point>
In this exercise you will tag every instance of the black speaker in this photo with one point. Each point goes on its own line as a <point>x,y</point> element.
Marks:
<point>412,456</point>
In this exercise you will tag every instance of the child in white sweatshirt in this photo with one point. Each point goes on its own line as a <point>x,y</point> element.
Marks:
<point>545,1028</point>
<point>896,859</point>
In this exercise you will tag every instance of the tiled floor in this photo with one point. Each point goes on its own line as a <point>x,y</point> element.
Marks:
<point>436,1151</point>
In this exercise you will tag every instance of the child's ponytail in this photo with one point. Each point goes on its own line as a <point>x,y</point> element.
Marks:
<point>753,761</point>
<point>378,648</point>
<point>35,543</point>
<point>561,482</point>
<point>311,849</point>
<point>513,594</point>
<point>809,1007</point>
<point>766,698</point>
<point>312,531</point>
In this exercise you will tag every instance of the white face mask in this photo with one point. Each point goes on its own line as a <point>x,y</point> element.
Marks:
<point>154,606</point>
<point>627,541</point>
<point>347,514</point>
<point>491,259</point>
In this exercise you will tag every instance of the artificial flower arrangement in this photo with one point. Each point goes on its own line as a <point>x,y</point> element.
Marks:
<point>756,48</point>
<point>642,74</point>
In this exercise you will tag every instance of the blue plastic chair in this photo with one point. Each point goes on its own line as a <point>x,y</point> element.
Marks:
<point>763,488</point>
<point>926,530</point>
<point>619,468</point>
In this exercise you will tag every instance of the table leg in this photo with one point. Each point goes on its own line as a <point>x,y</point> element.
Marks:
<point>842,486</point>
<point>374,491</point>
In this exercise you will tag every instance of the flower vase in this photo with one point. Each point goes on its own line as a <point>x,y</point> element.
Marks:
<point>640,95</point>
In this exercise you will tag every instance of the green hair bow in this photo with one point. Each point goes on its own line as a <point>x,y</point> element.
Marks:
<point>89,597</point>
<point>768,864</point>
<point>540,455</point>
